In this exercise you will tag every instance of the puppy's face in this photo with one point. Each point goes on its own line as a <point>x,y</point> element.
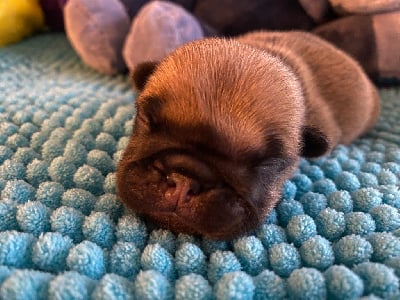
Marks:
<point>215,136</point>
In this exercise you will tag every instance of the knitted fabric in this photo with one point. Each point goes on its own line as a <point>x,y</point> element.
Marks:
<point>65,235</point>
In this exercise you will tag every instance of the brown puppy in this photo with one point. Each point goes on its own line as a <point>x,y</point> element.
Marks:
<point>221,124</point>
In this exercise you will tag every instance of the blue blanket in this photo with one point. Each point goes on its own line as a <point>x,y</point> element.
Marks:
<point>65,235</point>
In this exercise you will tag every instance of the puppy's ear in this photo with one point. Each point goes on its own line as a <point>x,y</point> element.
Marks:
<point>141,74</point>
<point>315,142</point>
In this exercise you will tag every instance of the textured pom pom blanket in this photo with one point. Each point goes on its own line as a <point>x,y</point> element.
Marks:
<point>65,235</point>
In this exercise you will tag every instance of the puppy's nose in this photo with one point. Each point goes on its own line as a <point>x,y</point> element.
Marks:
<point>181,188</point>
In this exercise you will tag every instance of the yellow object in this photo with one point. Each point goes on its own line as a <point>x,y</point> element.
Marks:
<point>19,19</point>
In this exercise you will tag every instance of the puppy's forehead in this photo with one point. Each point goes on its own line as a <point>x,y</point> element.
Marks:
<point>243,93</point>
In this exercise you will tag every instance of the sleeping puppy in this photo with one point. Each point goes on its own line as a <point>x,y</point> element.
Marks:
<point>222,123</point>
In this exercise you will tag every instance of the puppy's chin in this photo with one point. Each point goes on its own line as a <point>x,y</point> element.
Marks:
<point>184,194</point>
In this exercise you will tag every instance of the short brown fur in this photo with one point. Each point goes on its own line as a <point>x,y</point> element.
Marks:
<point>221,124</point>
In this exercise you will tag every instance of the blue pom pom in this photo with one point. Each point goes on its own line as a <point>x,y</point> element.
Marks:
<point>33,217</point>
<point>268,285</point>
<point>85,138</point>
<point>16,249</point>
<point>88,259</point>
<point>109,183</point>
<point>26,284</point>
<point>112,286</point>
<point>210,246</point>
<point>313,203</point>
<point>8,212</point>
<point>378,279</point>
<point>59,135</point>
<point>131,228</point>
<point>25,155</point>
<point>272,217</point>
<point>251,255</point>
<point>75,153</point>
<point>114,128</point>
<point>79,199</point>
<point>50,193</point>
<point>331,168</point>
<point>71,285</point>
<point>222,262</point>
<point>8,128</point>
<point>106,142</point>
<point>393,263</point>
<point>189,258</point>
<point>125,259</point>
<point>375,156</point>
<point>347,181</point>
<point>357,155</point>
<point>387,218</point>
<point>37,141</point>
<point>287,209</point>
<point>50,252</point>
<point>5,153</point>
<point>89,178</point>
<point>351,250</point>
<point>330,224</point>
<point>155,257</point>
<point>187,238</point>
<point>289,190</point>
<point>390,195</point>
<point>164,238</point>
<point>371,167</point>
<point>109,204</point>
<point>392,167</point>
<point>359,223</point>
<point>193,286</point>
<point>100,160</point>
<point>235,285</point>
<point>17,141</point>
<point>52,149</point>
<point>317,253</point>
<point>68,221</point>
<point>73,123</point>
<point>18,191</point>
<point>99,228</point>
<point>367,180</point>
<point>340,201</point>
<point>366,198</point>
<point>393,155</point>
<point>284,258</point>
<point>300,228</point>
<point>324,186</point>
<point>303,184</point>
<point>37,172</point>
<point>129,126</point>
<point>385,177</point>
<point>151,284</point>
<point>307,284</point>
<point>62,171</point>
<point>352,166</point>
<point>271,234</point>
<point>342,283</point>
<point>385,245</point>
<point>123,143</point>
<point>12,170</point>
<point>313,172</point>
<point>28,129</point>
<point>93,126</point>
<point>39,117</point>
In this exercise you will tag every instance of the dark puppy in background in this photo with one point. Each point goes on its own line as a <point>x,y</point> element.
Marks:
<point>222,123</point>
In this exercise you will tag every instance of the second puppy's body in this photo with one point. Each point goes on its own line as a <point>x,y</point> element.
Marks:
<point>221,124</point>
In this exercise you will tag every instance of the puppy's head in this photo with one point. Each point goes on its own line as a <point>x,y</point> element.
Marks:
<point>217,131</point>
